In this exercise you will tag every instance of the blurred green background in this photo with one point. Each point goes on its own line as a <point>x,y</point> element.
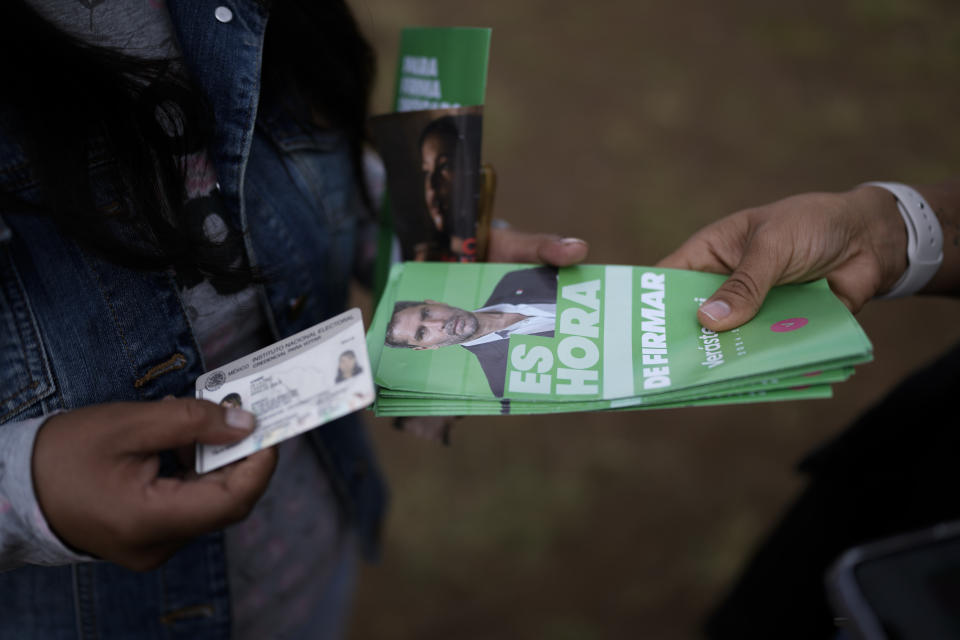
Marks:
<point>632,124</point>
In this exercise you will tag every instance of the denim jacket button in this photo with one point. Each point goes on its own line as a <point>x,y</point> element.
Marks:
<point>223,14</point>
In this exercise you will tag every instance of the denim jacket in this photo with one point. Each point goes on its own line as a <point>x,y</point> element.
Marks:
<point>292,192</point>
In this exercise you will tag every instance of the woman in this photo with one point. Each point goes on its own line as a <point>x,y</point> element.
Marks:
<point>170,204</point>
<point>179,187</point>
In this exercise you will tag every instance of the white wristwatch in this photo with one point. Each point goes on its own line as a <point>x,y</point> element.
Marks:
<point>924,239</point>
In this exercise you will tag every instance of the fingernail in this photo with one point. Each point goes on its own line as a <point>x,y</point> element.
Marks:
<point>572,241</point>
<point>715,310</point>
<point>240,419</point>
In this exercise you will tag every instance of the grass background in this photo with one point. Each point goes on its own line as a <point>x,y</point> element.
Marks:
<point>632,124</point>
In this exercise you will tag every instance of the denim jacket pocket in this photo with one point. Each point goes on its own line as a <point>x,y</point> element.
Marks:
<point>318,162</point>
<point>25,377</point>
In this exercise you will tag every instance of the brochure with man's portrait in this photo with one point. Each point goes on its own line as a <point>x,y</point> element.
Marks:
<point>509,338</point>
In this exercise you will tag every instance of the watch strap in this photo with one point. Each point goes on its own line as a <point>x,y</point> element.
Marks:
<point>924,239</point>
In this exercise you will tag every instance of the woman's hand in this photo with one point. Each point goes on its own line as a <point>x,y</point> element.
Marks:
<point>95,472</point>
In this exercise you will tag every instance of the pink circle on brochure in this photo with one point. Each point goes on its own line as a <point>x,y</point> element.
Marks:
<point>790,324</point>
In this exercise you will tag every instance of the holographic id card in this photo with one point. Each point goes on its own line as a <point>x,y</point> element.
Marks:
<point>291,386</point>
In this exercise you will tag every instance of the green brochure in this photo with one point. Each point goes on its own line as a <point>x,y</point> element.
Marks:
<point>441,68</point>
<point>466,407</point>
<point>502,338</point>
<point>438,193</point>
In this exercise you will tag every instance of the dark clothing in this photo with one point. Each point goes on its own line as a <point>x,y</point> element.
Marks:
<point>81,330</point>
<point>893,471</point>
<point>526,286</point>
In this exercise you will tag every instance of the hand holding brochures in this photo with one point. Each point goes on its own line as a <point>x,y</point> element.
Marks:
<point>471,339</point>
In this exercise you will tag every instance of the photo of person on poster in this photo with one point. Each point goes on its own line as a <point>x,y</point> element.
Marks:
<point>439,155</point>
<point>432,160</point>
<point>523,302</point>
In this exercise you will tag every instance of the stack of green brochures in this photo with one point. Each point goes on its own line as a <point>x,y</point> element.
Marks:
<point>474,339</point>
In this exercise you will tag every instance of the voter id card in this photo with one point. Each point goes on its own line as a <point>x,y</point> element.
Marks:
<point>291,386</point>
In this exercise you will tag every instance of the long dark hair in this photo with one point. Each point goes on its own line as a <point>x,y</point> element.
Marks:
<point>72,106</point>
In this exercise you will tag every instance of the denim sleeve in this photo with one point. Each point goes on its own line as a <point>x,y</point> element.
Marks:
<point>25,536</point>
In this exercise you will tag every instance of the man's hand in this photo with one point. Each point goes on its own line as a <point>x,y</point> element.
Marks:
<point>95,472</point>
<point>857,240</point>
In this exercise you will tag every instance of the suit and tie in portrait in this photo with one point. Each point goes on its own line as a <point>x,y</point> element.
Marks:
<point>527,286</point>
<point>522,302</point>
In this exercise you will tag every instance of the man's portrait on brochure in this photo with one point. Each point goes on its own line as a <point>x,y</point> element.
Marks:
<point>523,302</point>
